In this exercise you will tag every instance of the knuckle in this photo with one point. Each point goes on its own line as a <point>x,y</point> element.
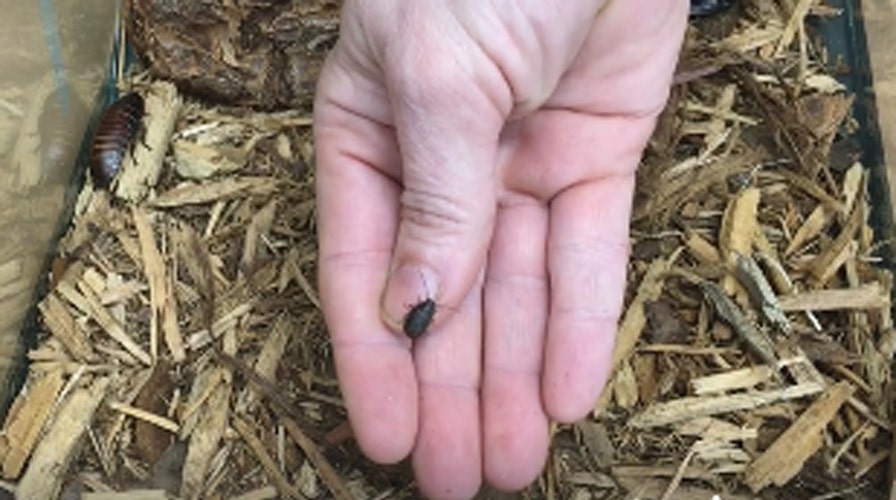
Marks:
<point>433,209</point>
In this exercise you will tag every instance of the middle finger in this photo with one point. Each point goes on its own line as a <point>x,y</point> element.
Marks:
<point>447,455</point>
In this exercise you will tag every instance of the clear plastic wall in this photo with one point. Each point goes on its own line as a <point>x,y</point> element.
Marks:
<point>53,61</point>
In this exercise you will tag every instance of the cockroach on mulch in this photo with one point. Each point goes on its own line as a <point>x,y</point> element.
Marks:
<point>115,133</point>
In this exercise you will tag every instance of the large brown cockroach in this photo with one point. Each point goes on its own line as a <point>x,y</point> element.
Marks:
<point>115,134</point>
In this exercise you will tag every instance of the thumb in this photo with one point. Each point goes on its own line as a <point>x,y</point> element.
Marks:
<point>447,130</point>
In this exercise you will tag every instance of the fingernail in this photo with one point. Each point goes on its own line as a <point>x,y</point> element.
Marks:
<point>408,286</point>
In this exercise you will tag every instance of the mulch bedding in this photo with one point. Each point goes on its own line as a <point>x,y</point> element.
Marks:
<point>183,351</point>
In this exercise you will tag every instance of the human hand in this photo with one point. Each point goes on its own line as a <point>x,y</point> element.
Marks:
<point>482,155</point>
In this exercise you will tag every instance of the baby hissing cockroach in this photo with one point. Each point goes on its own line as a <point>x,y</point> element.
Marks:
<point>115,133</point>
<point>420,315</point>
<point>700,8</point>
<point>418,319</point>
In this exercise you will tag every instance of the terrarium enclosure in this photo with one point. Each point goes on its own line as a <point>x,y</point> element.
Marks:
<point>181,351</point>
<point>53,65</point>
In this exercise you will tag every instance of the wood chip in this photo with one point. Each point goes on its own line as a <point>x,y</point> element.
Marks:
<point>257,229</point>
<point>90,304</point>
<point>161,292</point>
<point>25,421</point>
<point>732,380</point>
<point>270,467</point>
<point>818,221</point>
<point>126,495</point>
<point>870,296</point>
<point>62,325</point>
<point>796,20</point>
<point>716,429</point>
<point>786,456</point>
<point>687,408</point>
<point>756,339</point>
<point>196,194</point>
<point>204,437</point>
<point>268,360</point>
<point>327,473</point>
<point>739,225</point>
<point>157,420</point>
<point>635,319</point>
<point>58,449</point>
<point>201,161</point>
<point>829,261</point>
<point>140,171</point>
<point>702,250</point>
<point>761,294</point>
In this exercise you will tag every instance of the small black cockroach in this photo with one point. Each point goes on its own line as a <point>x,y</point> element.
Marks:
<point>420,315</point>
<point>418,319</point>
<point>115,133</point>
<point>701,8</point>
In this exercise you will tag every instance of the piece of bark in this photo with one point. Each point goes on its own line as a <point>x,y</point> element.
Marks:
<point>664,323</point>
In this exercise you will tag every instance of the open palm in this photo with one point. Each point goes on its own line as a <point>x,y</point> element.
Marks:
<point>484,156</point>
